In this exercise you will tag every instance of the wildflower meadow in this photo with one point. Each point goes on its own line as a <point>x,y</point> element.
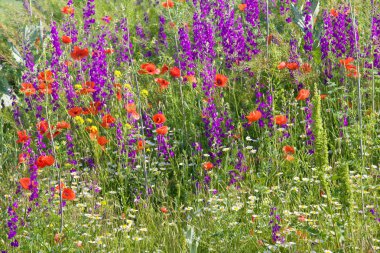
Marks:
<point>190,126</point>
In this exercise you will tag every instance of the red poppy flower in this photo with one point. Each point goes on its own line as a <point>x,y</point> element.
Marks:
<point>254,116</point>
<point>334,13</point>
<point>44,161</point>
<point>208,165</point>
<point>68,194</point>
<point>67,10</point>
<point>107,120</point>
<point>140,145</point>
<point>306,68</point>
<point>23,157</point>
<point>190,79</point>
<point>282,65</point>
<point>46,76</point>
<point>168,4</point>
<point>44,88</point>
<point>26,183</point>
<point>42,126</point>
<point>102,141</point>
<point>75,111</point>
<point>87,87</point>
<point>303,94</point>
<point>108,51</point>
<point>288,150</point>
<point>22,136</point>
<point>60,186</point>
<point>148,68</point>
<point>130,107</point>
<point>175,72</point>
<point>164,69</point>
<point>162,82</point>
<point>323,96</point>
<point>28,89</point>
<point>162,130</point>
<point>159,118</point>
<point>346,61</point>
<point>78,53</point>
<point>242,7</point>
<point>66,39</point>
<point>280,120</point>
<point>51,135</point>
<point>289,158</point>
<point>164,209</point>
<point>220,80</point>
<point>292,65</point>
<point>63,125</point>
<point>95,108</point>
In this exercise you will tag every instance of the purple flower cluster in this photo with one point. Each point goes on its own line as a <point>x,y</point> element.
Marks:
<point>375,35</point>
<point>275,226</point>
<point>186,59</point>
<point>70,149</point>
<point>163,147</point>
<point>88,12</point>
<point>98,70</point>
<point>376,214</point>
<point>12,223</point>
<point>238,173</point>
<point>55,64</point>
<point>161,34</point>
<point>308,29</point>
<point>253,19</point>
<point>124,51</point>
<point>203,39</point>
<point>264,101</point>
<point>325,43</point>
<point>232,34</point>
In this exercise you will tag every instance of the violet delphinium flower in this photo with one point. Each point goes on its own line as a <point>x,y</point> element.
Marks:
<point>308,29</point>
<point>352,34</point>
<point>124,49</point>
<point>33,176</point>
<point>54,64</point>
<point>161,34</point>
<point>339,38</point>
<point>238,173</point>
<point>264,101</point>
<point>164,148</point>
<point>275,219</point>
<point>70,149</point>
<point>12,223</point>
<point>148,125</point>
<point>375,36</point>
<point>326,42</point>
<point>253,19</point>
<point>98,71</point>
<point>185,56</point>
<point>203,39</point>
<point>69,89</point>
<point>88,12</point>
<point>232,34</point>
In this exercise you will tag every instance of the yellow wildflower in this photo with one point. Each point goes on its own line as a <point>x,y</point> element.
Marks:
<point>79,120</point>
<point>117,73</point>
<point>144,93</point>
